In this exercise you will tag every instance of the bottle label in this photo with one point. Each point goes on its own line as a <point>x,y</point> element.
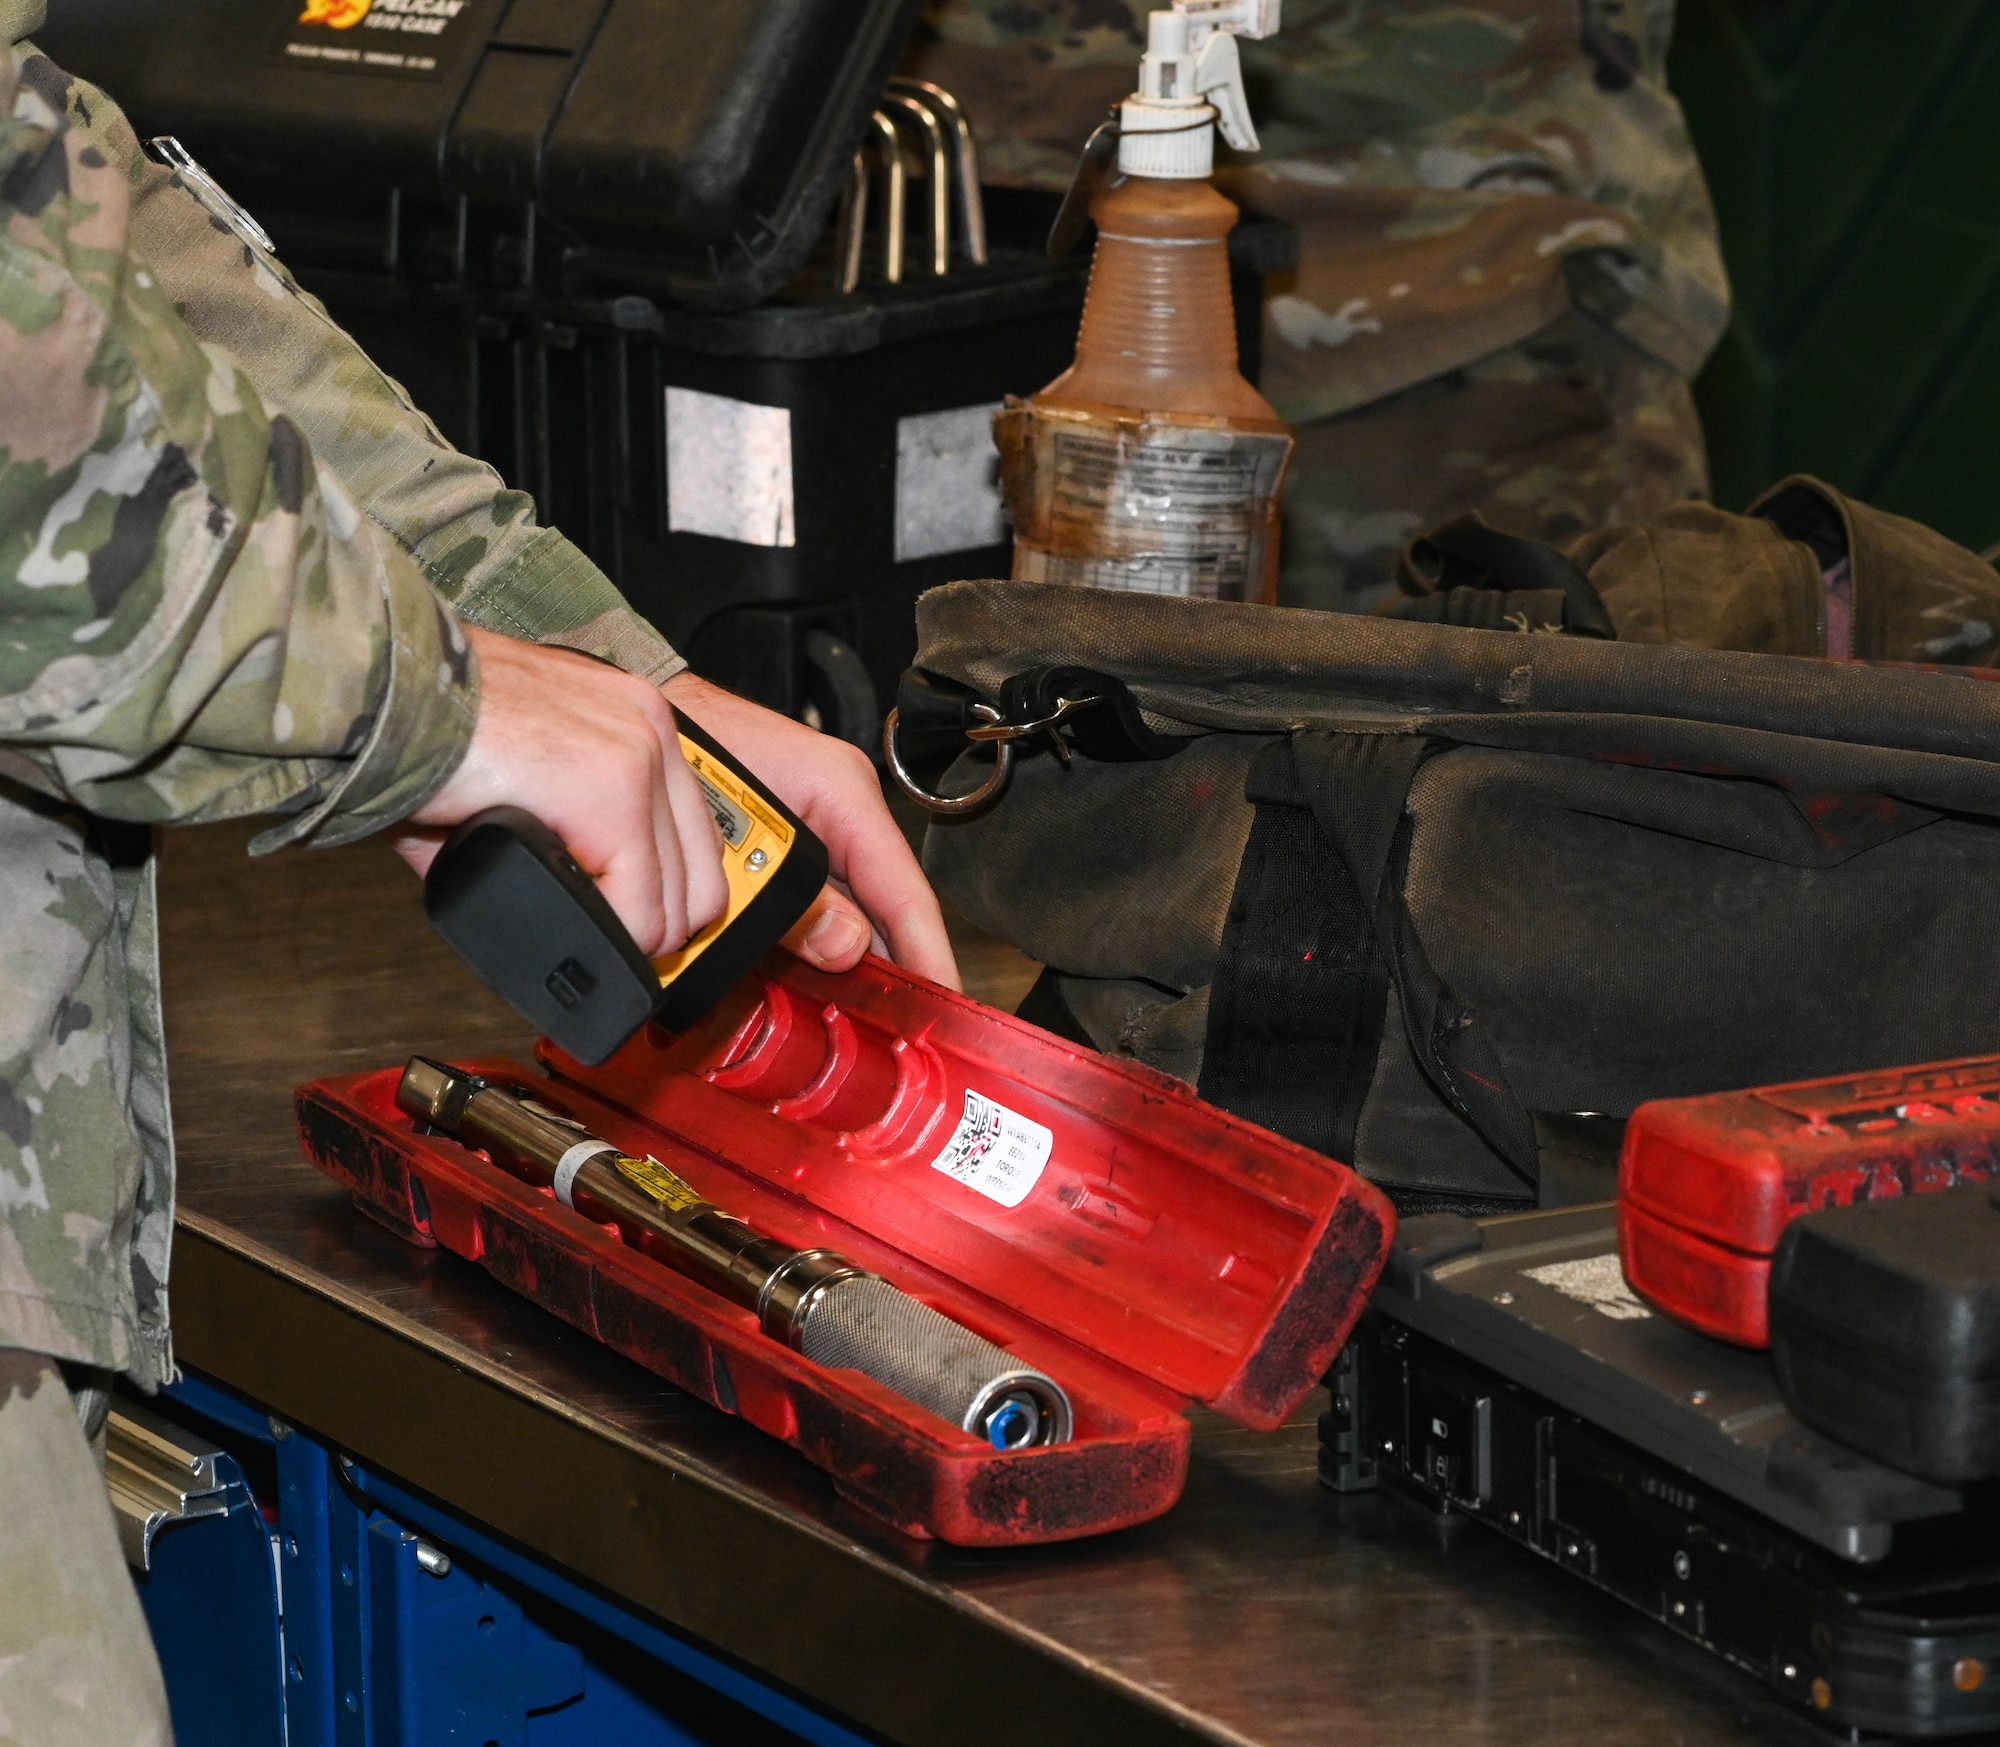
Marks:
<point>1140,503</point>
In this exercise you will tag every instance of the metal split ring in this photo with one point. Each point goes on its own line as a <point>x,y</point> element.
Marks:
<point>952,806</point>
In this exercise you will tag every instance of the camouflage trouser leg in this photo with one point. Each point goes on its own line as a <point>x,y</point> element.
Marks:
<point>1568,430</point>
<point>77,1667</point>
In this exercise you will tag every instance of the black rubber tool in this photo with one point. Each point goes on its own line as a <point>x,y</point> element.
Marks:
<point>514,904</point>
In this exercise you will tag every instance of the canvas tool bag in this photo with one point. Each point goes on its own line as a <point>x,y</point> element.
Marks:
<point>1411,893</point>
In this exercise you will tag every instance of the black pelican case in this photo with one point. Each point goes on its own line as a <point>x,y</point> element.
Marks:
<point>1885,1329</point>
<point>1507,1374</point>
<point>686,148</point>
<point>543,215</point>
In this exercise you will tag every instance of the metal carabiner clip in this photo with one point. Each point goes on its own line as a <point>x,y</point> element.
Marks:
<point>950,806</point>
<point>993,730</point>
<point>1007,732</point>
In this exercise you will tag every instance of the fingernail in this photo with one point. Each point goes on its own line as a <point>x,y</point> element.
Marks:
<point>837,936</point>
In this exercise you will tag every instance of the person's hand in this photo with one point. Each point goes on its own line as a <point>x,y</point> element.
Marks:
<point>594,754</point>
<point>877,893</point>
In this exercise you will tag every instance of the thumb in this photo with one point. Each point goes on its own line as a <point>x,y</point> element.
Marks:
<point>833,934</point>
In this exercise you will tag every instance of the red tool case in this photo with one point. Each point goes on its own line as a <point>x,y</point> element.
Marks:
<point>1097,1219</point>
<point>1706,1186</point>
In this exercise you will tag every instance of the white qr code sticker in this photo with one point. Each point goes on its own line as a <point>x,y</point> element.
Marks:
<point>996,1151</point>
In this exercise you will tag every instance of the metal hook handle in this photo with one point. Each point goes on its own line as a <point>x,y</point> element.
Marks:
<point>949,806</point>
<point>938,175</point>
<point>998,729</point>
<point>972,209</point>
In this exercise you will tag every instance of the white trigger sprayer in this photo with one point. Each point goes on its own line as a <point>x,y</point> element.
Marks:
<point>1191,82</point>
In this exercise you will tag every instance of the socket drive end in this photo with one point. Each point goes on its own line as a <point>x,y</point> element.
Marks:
<point>435,1092</point>
<point>1020,1409</point>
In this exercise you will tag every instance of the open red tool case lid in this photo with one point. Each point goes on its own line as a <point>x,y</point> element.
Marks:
<point>1095,1218</point>
<point>1706,1186</point>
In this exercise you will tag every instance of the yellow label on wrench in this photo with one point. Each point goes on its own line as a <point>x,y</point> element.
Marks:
<point>648,1174</point>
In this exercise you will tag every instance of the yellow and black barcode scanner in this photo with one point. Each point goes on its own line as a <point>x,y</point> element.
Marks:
<point>513,903</point>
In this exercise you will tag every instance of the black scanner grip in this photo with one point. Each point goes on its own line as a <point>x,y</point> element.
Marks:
<point>513,903</point>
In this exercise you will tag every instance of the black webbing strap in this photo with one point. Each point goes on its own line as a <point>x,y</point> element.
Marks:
<point>1112,730</point>
<point>1295,1011</point>
<point>1474,575</point>
<point>1297,1007</point>
<point>1484,609</point>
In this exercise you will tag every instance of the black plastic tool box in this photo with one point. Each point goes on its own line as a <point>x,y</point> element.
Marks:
<point>593,238</point>
<point>1506,1373</point>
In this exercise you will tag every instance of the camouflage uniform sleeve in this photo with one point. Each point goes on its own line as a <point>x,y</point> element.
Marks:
<point>195,621</point>
<point>477,542</point>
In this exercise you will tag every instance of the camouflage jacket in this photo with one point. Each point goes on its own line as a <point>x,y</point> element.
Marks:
<point>225,541</point>
<point>1460,175</point>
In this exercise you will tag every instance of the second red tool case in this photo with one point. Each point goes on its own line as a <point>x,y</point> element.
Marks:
<point>1706,1186</point>
<point>1147,1250</point>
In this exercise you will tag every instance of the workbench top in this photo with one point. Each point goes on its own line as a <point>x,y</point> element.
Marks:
<point>1262,1609</point>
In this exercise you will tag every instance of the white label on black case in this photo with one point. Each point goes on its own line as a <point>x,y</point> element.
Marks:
<point>1598,1281</point>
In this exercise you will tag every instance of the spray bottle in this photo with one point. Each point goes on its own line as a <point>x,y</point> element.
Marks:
<point>1151,464</point>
